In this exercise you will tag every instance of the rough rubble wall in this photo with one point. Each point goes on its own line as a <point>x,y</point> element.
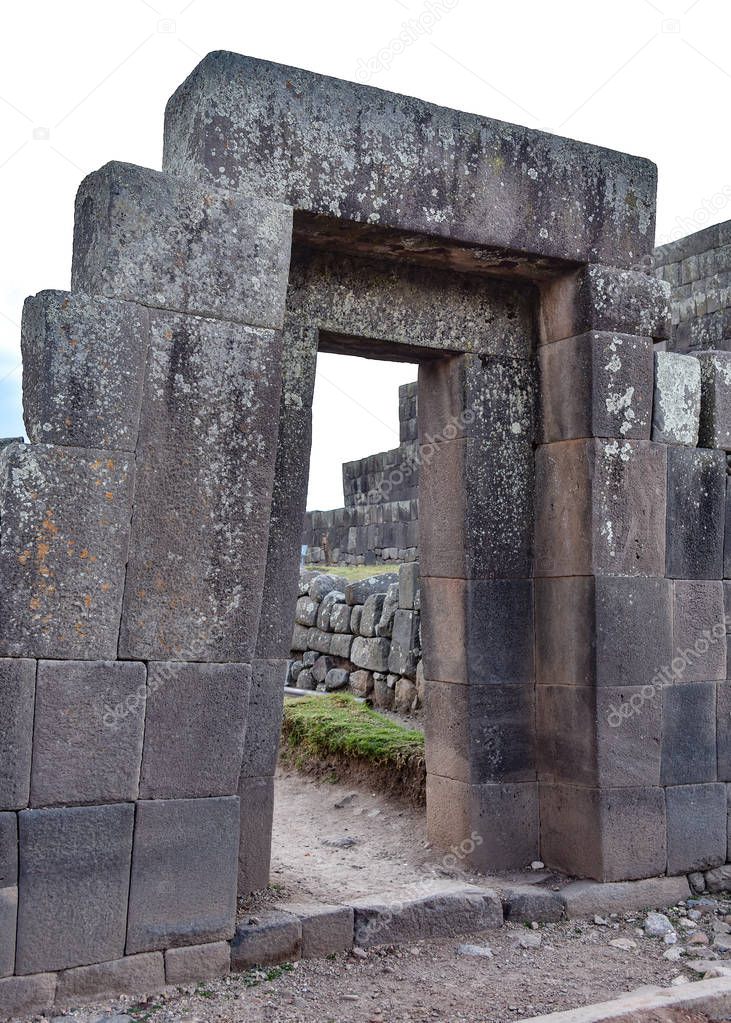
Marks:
<point>380,518</point>
<point>698,269</point>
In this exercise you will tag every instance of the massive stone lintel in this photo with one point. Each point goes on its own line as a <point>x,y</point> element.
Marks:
<point>362,154</point>
<point>65,533</point>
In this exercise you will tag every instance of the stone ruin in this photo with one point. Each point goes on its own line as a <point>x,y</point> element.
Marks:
<point>380,517</point>
<point>150,531</point>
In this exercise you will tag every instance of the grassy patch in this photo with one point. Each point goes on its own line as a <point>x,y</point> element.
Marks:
<point>353,573</point>
<point>340,736</point>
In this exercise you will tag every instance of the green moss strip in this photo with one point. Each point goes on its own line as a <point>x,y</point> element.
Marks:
<point>341,731</point>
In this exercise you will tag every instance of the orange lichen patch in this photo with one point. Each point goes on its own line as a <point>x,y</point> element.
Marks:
<point>84,554</point>
<point>159,584</point>
<point>87,600</point>
<point>68,422</point>
<point>35,603</point>
<point>106,587</point>
<point>43,549</point>
<point>168,334</point>
<point>80,629</point>
<point>48,524</point>
<point>110,463</point>
<point>141,594</point>
<point>108,495</point>
<point>24,557</point>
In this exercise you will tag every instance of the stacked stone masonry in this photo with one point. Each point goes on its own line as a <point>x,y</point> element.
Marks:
<point>364,637</point>
<point>380,517</point>
<point>150,532</point>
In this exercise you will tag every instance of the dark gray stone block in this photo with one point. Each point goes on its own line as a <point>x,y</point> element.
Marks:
<point>336,678</point>
<point>194,730</point>
<point>17,696</point>
<point>480,734</point>
<point>696,827</point>
<point>715,424</point>
<point>607,834</point>
<point>268,129</point>
<point>143,974</point>
<point>264,719</point>
<point>87,735</point>
<point>197,563</point>
<point>371,614</point>
<point>8,927</point>
<point>341,645</point>
<point>696,513</point>
<point>723,731</point>
<point>65,515</point>
<point>24,995</point>
<point>257,810</point>
<point>370,653</point>
<point>408,585</point>
<point>522,904</point>
<point>8,850</point>
<point>183,884</point>
<point>83,366</point>
<point>132,224</point>
<point>267,939</point>
<point>599,737</point>
<point>601,508</point>
<point>689,733</point>
<point>359,591</point>
<point>306,612</point>
<point>477,632</point>
<point>195,963</point>
<point>699,632</point>
<point>595,631</point>
<point>486,827</point>
<point>73,884</point>
<point>596,385</point>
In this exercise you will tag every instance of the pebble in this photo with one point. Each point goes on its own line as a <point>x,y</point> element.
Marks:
<point>359,953</point>
<point>657,925</point>
<point>481,951</point>
<point>679,980</point>
<point>340,842</point>
<point>698,938</point>
<point>670,938</point>
<point>537,865</point>
<point>722,942</point>
<point>529,940</point>
<point>626,944</point>
<point>673,953</point>
<point>601,921</point>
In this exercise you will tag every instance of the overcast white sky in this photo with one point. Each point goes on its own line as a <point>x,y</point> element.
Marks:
<point>85,81</point>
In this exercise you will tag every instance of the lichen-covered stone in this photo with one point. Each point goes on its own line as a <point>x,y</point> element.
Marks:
<point>171,243</point>
<point>264,719</point>
<point>677,403</point>
<point>65,532</point>
<point>87,736</point>
<point>715,422</point>
<point>279,131</point>
<point>83,366</point>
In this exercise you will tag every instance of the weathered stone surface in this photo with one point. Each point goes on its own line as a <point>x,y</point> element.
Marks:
<point>323,584</point>
<point>183,884</point>
<point>20,996</point>
<point>341,644</point>
<point>405,646</point>
<point>526,903</point>
<point>306,611</point>
<point>172,244</point>
<point>477,468</point>
<point>689,733</point>
<point>478,632</point>
<point>408,585</point>
<point>371,614</point>
<point>596,385</point>
<point>87,736</point>
<point>336,678</point>
<point>271,937</point>
<point>426,910</point>
<point>404,695</point>
<point>139,974</point>
<point>299,638</point>
<point>699,631</point>
<point>480,733</point>
<point>257,810</point>
<point>320,641</point>
<point>361,682</point>
<point>65,515</point>
<point>601,508</point>
<point>488,827</point>
<point>719,879</point>
<point>371,654</point>
<point>197,962</point>
<point>325,929</point>
<point>599,736</point>
<point>715,423</point>
<point>608,834</point>
<point>194,730</point>
<point>230,100</point>
<point>722,731</point>
<point>358,592</point>
<point>355,617</point>
<point>696,512</point>
<point>696,827</point>
<point>197,563</point>
<point>595,631</point>
<point>390,606</point>
<point>73,882</point>
<point>320,668</point>
<point>8,926</point>
<point>677,401</point>
<point>584,898</point>
<point>83,366</point>
<point>8,849</point>
<point>264,718</point>
<point>605,298</point>
<point>17,695</point>
<point>340,617</point>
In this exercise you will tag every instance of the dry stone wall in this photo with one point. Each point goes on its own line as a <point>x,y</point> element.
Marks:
<point>364,637</point>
